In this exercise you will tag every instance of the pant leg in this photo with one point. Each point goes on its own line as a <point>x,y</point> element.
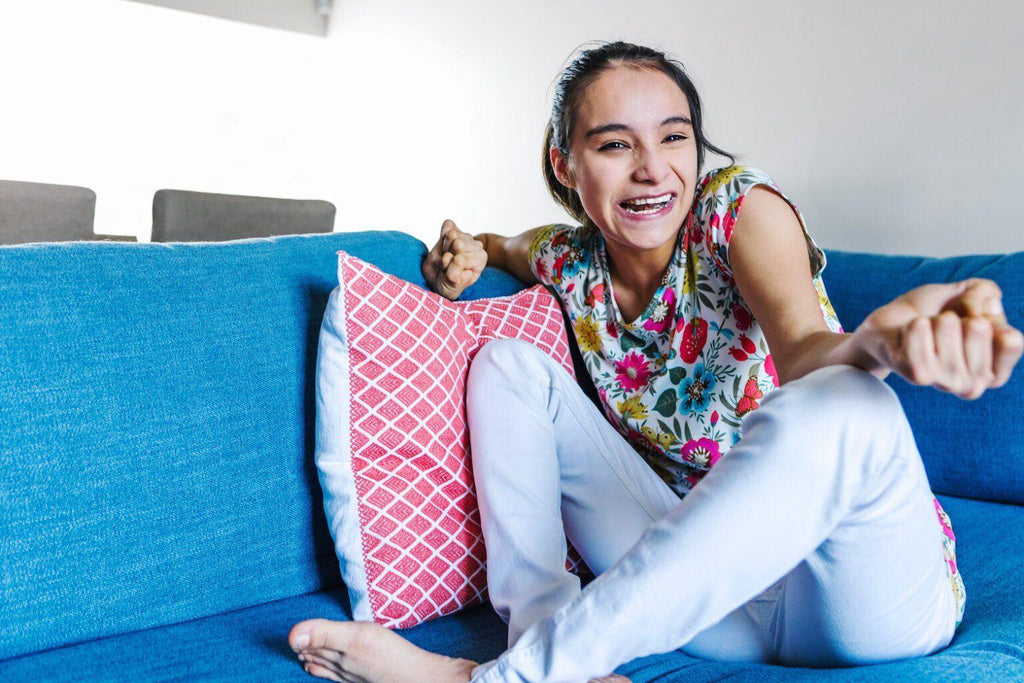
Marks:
<point>548,464</point>
<point>825,465</point>
<point>877,588</point>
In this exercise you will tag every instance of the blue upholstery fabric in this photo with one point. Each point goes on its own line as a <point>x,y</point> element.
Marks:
<point>251,644</point>
<point>493,282</point>
<point>156,429</point>
<point>970,448</point>
<point>160,501</point>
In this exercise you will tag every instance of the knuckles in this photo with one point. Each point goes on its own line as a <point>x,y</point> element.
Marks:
<point>1013,340</point>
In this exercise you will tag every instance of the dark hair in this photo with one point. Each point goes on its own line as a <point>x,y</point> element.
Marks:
<point>572,83</point>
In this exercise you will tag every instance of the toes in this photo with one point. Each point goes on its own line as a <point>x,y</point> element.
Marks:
<point>319,671</point>
<point>332,657</point>
<point>317,634</point>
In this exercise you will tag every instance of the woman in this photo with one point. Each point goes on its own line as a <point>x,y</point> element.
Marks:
<point>815,542</point>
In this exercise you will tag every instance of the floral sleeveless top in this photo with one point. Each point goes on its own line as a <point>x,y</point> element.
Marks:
<point>677,381</point>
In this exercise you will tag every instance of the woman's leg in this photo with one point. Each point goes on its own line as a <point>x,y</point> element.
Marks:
<point>826,489</point>
<point>594,480</point>
<point>542,455</point>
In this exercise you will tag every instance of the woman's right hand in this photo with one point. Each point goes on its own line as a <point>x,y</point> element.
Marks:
<point>454,263</point>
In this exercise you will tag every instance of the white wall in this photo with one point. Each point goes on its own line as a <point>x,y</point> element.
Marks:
<point>894,125</point>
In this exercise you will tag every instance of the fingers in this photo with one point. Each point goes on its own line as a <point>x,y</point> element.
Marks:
<point>918,358</point>
<point>455,262</point>
<point>463,268</point>
<point>980,298</point>
<point>447,228</point>
<point>977,334</point>
<point>948,333</point>
<point>964,356</point>
<point>1008,346</point>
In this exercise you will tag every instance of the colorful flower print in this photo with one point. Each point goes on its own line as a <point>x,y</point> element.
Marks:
<point>664,312</point>
<point>742,317</point>
<point>694,231</point>
<point>595,295</point>
<point>717,180</point>
<point>695,334</point>
<point>567,265</point>
<point>747,344</point>
<point>751,394</point>
<point>769,367</point>
<point>541,270</point>
<point>642,445</point>
<point>947,528</point>
<point>702,452</point>
<point>632,371</point>
<point>729,220</point>
<point>738,354</point>
<point>588,334</point>
<point>696,389</point>
<point>663,439</point>
<point>632,408</point>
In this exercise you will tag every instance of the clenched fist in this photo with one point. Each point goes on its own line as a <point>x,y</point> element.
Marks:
<point>953,337</point>
<point>454,263</point>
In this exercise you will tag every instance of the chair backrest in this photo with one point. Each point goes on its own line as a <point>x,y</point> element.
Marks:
<point>184,216</point>
<point>39,212</point>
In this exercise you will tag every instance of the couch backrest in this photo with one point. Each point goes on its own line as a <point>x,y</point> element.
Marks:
<point>973,449</point>
<point>157,407</point>
<point>156,429</point>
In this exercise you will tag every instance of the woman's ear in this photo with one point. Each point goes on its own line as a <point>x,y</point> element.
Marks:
<point>561,167</point>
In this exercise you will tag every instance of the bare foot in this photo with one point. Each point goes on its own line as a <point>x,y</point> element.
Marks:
<point>365,652</point>
<point>611,678</point>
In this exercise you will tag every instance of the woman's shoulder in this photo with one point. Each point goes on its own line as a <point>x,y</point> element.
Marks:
<point>729,182</point>
<point>560,237</point>
<point>560,251</point>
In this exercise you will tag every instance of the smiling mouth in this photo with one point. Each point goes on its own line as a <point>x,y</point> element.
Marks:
<point>647,205</point>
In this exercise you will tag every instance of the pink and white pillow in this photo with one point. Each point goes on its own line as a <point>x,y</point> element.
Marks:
<point>392,446</point>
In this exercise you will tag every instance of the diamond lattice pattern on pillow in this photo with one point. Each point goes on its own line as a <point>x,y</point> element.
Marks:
<point>408,357</point>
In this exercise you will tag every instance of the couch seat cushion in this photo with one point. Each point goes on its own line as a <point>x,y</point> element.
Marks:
<point>251,645</point>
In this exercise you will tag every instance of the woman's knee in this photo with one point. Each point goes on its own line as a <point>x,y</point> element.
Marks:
<point>840,405</point>
<point>845,392</point>
<point>505,360</point>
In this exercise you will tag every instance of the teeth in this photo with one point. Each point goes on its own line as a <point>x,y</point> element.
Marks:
<point>649,200</point>
<point>647,204</point>
<point>653,209</point>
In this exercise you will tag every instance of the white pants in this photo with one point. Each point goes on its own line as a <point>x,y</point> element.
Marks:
<point>813,542</point>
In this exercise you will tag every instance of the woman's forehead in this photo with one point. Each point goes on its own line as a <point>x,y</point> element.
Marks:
<point>633,97</point>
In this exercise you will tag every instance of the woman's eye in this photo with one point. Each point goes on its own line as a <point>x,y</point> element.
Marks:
<point>674,137</point>
<point>614,144</point>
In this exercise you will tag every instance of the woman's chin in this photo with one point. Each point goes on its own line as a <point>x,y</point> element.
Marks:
<point>646,235</point>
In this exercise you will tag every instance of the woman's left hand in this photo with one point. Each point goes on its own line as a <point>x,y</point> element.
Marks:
<point>953,337</point>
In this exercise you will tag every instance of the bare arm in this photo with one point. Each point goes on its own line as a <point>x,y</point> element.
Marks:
<point>768,254</point>
<point>951,336</point>
<point>511,254</point>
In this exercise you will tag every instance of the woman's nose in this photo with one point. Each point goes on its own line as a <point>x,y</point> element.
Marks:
<point>651,165</point>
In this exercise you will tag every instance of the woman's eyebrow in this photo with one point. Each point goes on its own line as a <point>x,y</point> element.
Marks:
<point>608,128</point>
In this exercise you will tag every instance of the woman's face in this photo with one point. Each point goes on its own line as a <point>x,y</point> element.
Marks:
<point>632,158</point>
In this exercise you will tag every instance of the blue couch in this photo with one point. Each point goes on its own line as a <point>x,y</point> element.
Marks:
<point>160,514</point>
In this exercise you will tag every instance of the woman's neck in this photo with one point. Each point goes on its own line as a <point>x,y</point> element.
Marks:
<point>636,275</point>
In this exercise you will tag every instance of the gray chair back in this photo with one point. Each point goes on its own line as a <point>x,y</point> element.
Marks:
<point>184,216</point>
<point>39,212</point>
